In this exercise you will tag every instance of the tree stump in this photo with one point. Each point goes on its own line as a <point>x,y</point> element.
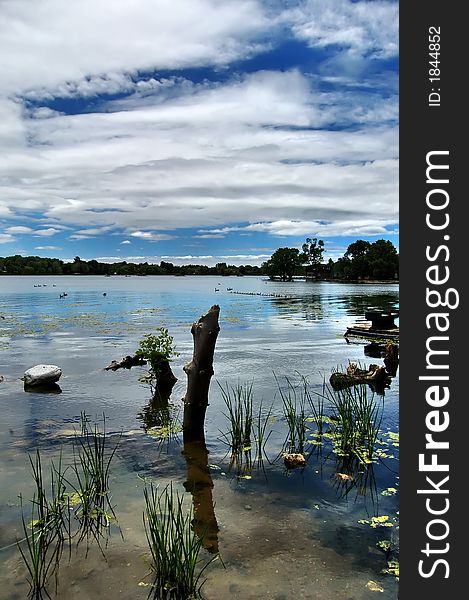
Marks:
<point>199,372</point>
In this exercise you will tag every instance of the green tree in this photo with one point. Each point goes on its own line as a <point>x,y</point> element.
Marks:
<point>283,263</point>
<point>313,250</point>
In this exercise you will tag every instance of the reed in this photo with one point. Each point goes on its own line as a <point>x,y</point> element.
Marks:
<point>175,549</point>
<point>47,530</point>
<point>261,436</point>
<point>238,401</point>
<point>357,417</point>
<point>294,410</point>
<point>316,404</point>
<point>92,461</point>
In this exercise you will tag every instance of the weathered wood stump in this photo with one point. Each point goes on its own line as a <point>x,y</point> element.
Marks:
<point>126,363</point>
<point>375,374</point>
<point>199,372</point>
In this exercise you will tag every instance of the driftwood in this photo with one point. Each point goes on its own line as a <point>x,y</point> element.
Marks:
<point>126,363</point>
<point>199,372</point>
<point>374,375</point>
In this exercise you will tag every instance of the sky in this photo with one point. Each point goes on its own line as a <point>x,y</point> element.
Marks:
<point>196,131</point>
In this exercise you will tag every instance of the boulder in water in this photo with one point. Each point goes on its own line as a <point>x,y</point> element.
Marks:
<point>42,375</point>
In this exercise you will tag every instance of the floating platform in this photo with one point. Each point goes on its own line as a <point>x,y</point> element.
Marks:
<point>382,326</point>
<point>368,332</point>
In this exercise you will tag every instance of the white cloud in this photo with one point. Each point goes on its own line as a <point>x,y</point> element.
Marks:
<point>284,228</point>
<point>193,160</point>
<point>47,248</point>
<point>50,231</point>
<point>126,242</point>
<point>191,259</point>
<point>6,238</point>
<point>54,44</point>
<point>363,27</point>
<point>18,229</point>
<point>151,236</point>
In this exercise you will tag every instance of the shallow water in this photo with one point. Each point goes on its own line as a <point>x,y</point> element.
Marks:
<point>281,534</point>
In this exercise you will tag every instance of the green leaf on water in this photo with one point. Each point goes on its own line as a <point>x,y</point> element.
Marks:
<point>374,587</point>
<point>393,568</point>
<point>73,499</point>
<point>384,545</point>
<point>381,521</point>
<point>164,431</point>
<point>390,491</point>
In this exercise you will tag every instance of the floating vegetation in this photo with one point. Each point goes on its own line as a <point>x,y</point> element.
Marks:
<point>175,549</point>
<point>164,432</point>
<point>374,522</point>
<point>390,491</point>
<point>374,587</point>
<point>392,568</point>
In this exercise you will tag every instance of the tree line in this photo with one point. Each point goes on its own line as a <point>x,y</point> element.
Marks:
<point>35,265</point>
<point>363,260</point>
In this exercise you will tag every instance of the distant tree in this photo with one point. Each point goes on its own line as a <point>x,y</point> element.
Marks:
<point>358,249</point>
<point>283,263</point>
<point>313,250</point>
<point>365,260</point>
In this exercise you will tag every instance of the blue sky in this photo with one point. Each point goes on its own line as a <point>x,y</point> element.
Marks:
<point>196,131</point>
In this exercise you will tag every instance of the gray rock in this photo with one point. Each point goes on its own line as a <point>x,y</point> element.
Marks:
<point>42,375</point>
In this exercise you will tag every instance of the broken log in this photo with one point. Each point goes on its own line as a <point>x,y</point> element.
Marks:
<point>126,363</point>
<point>199,372</point>
<point>375,375</point>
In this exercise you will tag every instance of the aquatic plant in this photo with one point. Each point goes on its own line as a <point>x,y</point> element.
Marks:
<point>175,549</point>
<point>238,401</point>
<point>261,436</point>
<point>92,461</point>
<point>47,530</point>
<point>316,404</point>
<point>357,419</point>
<point>294,410</point>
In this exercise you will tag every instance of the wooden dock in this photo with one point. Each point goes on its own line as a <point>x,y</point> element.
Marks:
<point>382,326</point>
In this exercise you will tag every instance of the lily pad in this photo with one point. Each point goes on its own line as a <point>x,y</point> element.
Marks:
<point>390,491</point>
<point>381,521</point>
<point>374,587</point>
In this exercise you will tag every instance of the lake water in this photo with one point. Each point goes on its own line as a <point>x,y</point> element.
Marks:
<point>281,533</point>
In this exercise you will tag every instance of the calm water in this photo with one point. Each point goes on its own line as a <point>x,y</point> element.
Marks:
<point>281,534</point>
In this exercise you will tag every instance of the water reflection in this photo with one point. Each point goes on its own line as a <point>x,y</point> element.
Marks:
<point>45,388</point>
<point>199,483</point>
